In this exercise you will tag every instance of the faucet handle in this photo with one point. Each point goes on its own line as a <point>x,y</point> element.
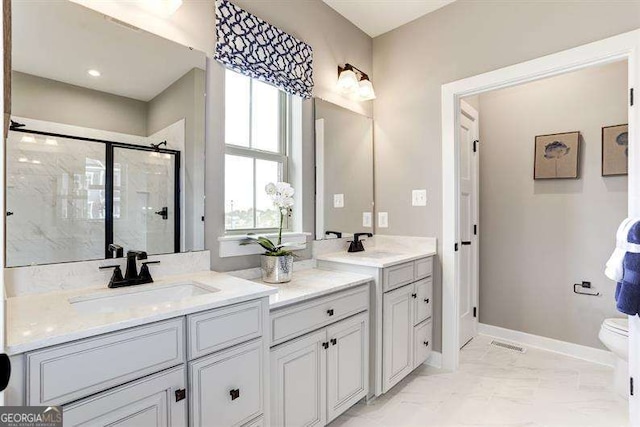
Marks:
<point>145,274</point>
<point>116,277</point>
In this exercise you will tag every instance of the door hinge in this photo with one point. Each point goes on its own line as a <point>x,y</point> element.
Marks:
<point>476,142</point>
<point>631,386</point>
<point>475,229</point>
<point>475,311</point>
<point>631,96</point>
<point>455,247</point>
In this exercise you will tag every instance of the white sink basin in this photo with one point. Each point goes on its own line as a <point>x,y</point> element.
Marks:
<point>154,296</point>
<point>376,254</point>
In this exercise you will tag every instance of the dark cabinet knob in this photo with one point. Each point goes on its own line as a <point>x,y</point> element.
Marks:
<point>330,312</point>
<point>414,295</point>
<point>325,345</point>
<point>426,300</point>
<point>426,343</point>
<point>334,341</point>
<point>235,393</point>
<point>181,394</point>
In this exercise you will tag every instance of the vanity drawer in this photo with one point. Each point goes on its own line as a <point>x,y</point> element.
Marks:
<point>224,327</point>
<point>226,388</point>
<point>422,342</point>
<point>398,275</point>
<point>423,308</point>
<point>65,373</point>
<point>424,268</point>
<point>290,322</point>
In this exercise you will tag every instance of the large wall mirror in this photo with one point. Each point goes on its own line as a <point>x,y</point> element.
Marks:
<point>344,171</point>
<point>107,138</point>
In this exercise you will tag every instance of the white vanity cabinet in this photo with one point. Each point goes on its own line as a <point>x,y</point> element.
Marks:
<point>318,375</point>
<point>203,369</point>
<point>400,317</point>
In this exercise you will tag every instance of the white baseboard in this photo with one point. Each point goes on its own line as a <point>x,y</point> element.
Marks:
<point>435,359</point>
<point>578,351</point>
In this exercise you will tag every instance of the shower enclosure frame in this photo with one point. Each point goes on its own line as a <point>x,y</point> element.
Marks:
<point>109,179</point>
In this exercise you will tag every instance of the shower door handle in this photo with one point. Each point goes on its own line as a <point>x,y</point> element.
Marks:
<point>164,213</point>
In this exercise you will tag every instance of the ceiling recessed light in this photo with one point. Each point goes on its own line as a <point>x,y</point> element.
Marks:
<point>94,73</point>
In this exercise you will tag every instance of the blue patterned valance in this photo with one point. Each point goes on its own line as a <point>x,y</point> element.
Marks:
<point>251,46</point>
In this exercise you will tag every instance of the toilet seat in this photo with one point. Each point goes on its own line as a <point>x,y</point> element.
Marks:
<point>618,326</point>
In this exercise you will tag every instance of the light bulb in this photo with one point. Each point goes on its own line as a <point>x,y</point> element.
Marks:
<point>365,90</point>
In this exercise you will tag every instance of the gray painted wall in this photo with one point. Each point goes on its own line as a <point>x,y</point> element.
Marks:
<point>538,238</point>
<point>44,99</point>
<point>185,98</point>
<point>460,40</point>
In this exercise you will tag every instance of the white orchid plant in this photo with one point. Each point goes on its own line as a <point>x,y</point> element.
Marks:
<point>281,194</point>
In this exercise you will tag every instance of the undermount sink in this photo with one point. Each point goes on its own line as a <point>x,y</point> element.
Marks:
<point>155,296</point>
<point>376,254</point>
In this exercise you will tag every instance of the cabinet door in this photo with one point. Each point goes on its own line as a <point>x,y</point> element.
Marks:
<point>226,387</point>
<point>347,364</point>
<point>298,382</point>
<point>397,339</point>
<point>149,402</point>
<point>423,303</point>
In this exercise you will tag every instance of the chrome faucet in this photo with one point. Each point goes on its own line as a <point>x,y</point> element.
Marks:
<point>356,244</point>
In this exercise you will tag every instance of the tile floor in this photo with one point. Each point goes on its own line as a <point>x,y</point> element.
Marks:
<point>498,387</point>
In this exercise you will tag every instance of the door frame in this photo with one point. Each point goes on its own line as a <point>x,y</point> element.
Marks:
<point>625,46</point>
<point>472,113</point>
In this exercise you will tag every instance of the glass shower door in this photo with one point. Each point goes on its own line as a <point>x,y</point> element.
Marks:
<point>144,200</point>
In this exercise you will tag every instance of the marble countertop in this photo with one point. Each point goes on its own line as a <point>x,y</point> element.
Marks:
<point>377,257</point>
<point>312,283</point>
<point>41,320</point>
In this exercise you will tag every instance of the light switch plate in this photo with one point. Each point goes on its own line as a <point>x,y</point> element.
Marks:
<point>338,200</point>
<point>419,198</point>
<point>383,219</point>
<point>366,219</point>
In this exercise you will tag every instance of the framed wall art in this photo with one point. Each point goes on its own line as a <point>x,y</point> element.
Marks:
<point>557,156</point>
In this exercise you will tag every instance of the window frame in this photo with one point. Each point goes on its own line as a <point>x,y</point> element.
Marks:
<point>281,157</point>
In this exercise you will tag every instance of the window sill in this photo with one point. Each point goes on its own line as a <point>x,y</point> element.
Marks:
<point>230,244</point>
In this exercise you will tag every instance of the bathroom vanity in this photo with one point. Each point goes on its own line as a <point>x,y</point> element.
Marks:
<point>198,358</point>
<point>401,301</point>
<point>319,338</point>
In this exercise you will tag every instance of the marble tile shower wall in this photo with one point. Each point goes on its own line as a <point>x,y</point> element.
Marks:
<point>55,192</point>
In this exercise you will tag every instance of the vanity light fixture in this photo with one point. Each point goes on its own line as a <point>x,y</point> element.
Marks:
<point>28,139</point>
<point>94,73</point>
<point>51,141</point>
<point>355,82</point>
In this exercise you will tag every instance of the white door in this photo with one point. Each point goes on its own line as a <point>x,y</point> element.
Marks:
<point>298,382</point>
<point>347,364</point>
<point>4,360</point>
<point>468,226</point>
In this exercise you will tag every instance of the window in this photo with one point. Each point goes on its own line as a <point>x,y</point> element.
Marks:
<point>256,138</point>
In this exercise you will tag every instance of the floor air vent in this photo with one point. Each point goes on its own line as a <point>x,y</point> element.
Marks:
<point>509,346</point>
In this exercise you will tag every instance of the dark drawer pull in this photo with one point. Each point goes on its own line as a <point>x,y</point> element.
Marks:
<point>330,312</point>
<point>414,295</point>
<point>465,243</point>
<point>426,300</point>
<point>181,394</point>
<point>334,341</point>
<point>325,345</point>
<point>426,343</point>
<point>235,393</point>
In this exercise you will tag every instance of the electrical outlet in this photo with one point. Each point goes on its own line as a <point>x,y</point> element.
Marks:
<point>383,219</point>
<point>419,197</point>
<point>366,219</point>
<point>338,200</point>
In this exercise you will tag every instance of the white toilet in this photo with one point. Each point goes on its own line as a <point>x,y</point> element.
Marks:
<point>614,334</point>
